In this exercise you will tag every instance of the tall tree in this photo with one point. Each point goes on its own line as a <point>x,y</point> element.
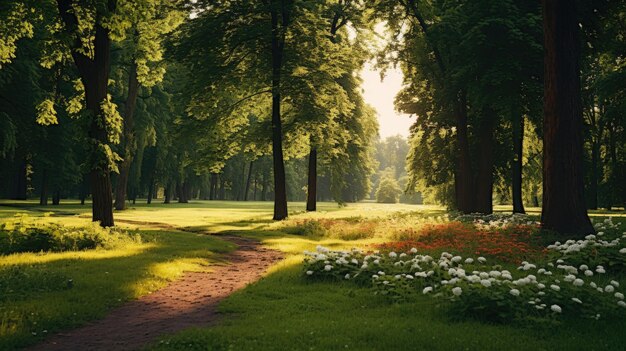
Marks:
<point>563,200</point>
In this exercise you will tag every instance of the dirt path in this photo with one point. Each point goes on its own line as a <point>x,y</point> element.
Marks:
<point>187,302</point>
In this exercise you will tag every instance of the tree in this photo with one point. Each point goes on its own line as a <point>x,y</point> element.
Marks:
<point>388,189</point>
<point>563,201</point>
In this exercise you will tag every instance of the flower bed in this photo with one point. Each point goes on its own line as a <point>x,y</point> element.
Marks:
<point>510,244</point>
<point>478,287</point>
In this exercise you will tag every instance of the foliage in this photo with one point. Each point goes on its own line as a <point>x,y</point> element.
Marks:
<point>388,190</point>
<point>25,235</point>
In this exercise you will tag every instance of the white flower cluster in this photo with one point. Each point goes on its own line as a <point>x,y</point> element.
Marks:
<point>495,220</point>
<point>552,288</point>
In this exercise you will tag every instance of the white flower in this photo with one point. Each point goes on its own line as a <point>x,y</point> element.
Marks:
<point>621,303</point>
<point>469,260</point>
<point>347,276</point>
<point>376,261</point>
<point>588,273</point>
<point>556,308</point>
<point>593,285</point>
<point>457,291</point>
<point>375,276</point>
<point>486,283</point>
<point>393,254</point>
<point>609,288</point>
<point>541,286</point>
<point>584,267</point>
<point>328,267</point>
<point>575,299</point>
<point>555,287</point>
<point>456,259</point>
<point>355,261</point>
<point>413,250</point>
<point>381,273</point>
<point>309,272</point>
<point>482,259</point>
<point>427,290</point>
<point>578,282</point>
<point>619,295</point>
<point>514,292</point>
<point>600,270</point>
<point>622,250</point>
<point>614,283</point>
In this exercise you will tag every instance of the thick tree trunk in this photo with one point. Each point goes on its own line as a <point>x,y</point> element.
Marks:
<point>128,138</point>
<point>94,74</point>
<point>245,194</point>
<point>564,207</point>
<point>484,175</point>
<point>222,189</point>
<point>311,196</point>
<point>278,42</point>
<point>464,186</point>
<point>254,188</point>
<point>518,151</point>
<point>43,193</point>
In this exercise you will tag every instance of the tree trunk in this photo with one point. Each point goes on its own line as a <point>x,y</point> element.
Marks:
<point>128,138</point>
<point>213,186</point>
<point>518,151</point>
<point>56,198</point>
<point>222,189</point>
<point>84,190</point>
<point>168,194</point>
<point>245,194</point>
<point>94,74</point>
<point>264,187</point>
<point>595,174</point>
<point>484,175</point>
<point>43,195</point>
<point>564,207</point>
<point>150,191</point>
<point>311,195</point>
<point>278,42</point>
<point>254,188</point>
<point>464,186</point>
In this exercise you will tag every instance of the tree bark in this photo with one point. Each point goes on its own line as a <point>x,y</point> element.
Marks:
<point>311,196</point>
<point>245,194</point>
<point>518,151</point>
<point>564,207</point>
<point>213,186</point>
<point>464,186</point>
<point>168,194</point>
<point>94,74</point>
<point>595,175</point>
<point>128,138</point>
<point>43,195</point>
<point>278,42</point>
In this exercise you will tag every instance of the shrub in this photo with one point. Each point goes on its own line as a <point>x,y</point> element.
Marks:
<point>27,235</point>
<point>388,190</point>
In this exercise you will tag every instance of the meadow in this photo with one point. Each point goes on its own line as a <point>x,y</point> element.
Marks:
<point>46,293</point>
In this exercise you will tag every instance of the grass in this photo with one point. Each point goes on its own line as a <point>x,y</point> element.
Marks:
<point>281,311</point>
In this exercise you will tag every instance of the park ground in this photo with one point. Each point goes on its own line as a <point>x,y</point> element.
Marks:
<point>47,293</point>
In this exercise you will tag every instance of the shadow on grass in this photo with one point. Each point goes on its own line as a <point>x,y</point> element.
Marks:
<point>97,283</point>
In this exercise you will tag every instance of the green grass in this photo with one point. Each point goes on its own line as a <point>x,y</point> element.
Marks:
<point>45,301</point>
<point>281,311</point>
<point>286,312</point>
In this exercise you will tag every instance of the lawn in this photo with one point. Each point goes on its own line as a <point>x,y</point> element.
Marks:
<point>282,311</point>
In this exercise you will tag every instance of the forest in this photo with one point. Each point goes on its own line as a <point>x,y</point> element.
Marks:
<point>155,140</point>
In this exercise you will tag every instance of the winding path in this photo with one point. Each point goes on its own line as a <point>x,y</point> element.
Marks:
<point>187,302</point>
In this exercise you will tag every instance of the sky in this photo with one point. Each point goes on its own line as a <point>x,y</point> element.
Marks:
<point>381,95</point>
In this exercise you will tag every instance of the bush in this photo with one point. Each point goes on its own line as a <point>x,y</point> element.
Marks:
<point>388,190</point>
<point>27,235</point>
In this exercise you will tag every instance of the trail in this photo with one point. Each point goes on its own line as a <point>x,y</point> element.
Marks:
<point>187,302</point>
